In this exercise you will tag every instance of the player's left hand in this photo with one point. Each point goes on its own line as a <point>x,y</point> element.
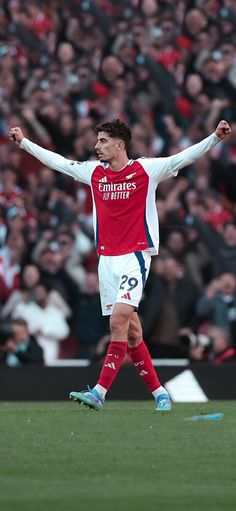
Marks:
<point>16,135</point>
<point>223,130</point>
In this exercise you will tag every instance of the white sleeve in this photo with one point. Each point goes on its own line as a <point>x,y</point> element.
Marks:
<point>54,326</point>
<point>81,171</point>
<point>162,168</point>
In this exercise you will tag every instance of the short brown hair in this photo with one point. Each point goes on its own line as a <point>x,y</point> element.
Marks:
<point>116,129</point>
<point>20,321</point>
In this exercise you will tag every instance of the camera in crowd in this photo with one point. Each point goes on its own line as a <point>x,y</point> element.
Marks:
<point>5,333</point>
<point>192,340</point>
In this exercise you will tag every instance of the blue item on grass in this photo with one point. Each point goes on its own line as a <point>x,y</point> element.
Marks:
<point>209,417</point>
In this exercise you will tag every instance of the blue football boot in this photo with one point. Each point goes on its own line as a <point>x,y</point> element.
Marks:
<point>90,398</point>
<point>163,403</point>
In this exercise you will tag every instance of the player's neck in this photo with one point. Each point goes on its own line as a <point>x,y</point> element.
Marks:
<point>118,164</point>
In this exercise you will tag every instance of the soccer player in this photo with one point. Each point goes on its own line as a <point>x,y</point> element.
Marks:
<point>126,235</point>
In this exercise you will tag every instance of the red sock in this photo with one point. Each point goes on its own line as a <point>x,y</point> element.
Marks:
<point>114,358</point>
<point>141,358</point>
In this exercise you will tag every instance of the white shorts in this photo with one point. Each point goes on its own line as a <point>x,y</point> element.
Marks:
<point>122,279</point>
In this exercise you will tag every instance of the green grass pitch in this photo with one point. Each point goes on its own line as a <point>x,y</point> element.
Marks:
<point>63,456</point>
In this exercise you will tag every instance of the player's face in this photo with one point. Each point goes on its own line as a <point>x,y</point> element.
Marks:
<point>107,147</point>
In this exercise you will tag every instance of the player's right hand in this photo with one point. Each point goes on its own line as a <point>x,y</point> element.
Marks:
<point>16,135</point>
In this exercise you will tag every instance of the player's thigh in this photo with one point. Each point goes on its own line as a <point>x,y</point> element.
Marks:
<point>133,271</point>
<point>108,284</point>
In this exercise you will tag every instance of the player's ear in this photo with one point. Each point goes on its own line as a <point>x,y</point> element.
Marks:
<point>120,145</point>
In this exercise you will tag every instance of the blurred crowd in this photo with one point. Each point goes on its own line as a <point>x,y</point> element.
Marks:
<point>168,69</point>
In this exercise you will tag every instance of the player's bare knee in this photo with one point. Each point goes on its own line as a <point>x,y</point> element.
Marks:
<point>119,323</point>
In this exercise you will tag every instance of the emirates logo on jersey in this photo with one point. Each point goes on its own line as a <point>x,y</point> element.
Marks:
<point>103,186</point>
<point>114,191</point>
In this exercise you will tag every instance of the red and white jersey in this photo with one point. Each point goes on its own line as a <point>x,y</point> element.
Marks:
<point>124,207</point>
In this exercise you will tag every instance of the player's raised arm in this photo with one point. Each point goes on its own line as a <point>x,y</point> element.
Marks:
<point>162,168</point>
<point>81,171</point>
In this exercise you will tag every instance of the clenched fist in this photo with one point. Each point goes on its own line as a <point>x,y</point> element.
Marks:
<point>16,135</point>
<point>223,130</point>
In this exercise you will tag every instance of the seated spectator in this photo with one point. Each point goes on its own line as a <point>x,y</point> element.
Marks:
<point>222,351</point>
<point>219,350</point>
<point>218,304</point>
<point>20,347</point>
<point>30,278</point>
<point>45,321</point>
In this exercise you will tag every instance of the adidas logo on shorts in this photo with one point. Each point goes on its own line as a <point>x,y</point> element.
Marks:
<point>126,296</point>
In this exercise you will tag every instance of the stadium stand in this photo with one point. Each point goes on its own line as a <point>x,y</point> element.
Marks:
<point>168,69</point>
